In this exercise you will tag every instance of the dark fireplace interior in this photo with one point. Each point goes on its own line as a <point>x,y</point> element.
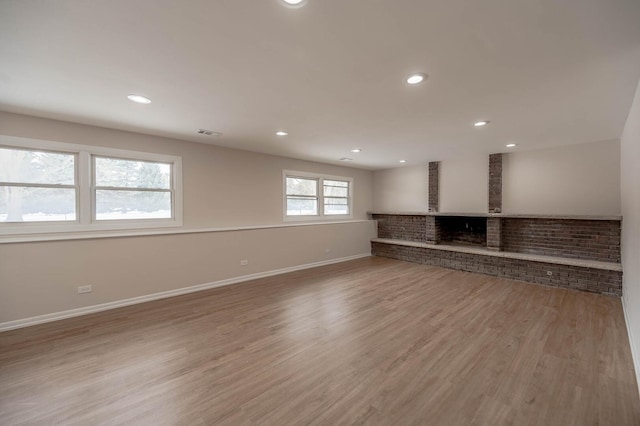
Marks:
<point>463,230</point>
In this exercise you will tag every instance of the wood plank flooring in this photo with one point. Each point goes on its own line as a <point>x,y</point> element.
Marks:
<point>372,341</point>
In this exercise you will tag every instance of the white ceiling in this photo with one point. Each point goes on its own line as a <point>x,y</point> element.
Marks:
<point>331,73</point>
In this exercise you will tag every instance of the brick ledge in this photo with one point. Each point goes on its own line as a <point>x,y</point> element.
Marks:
<point>607,266</point>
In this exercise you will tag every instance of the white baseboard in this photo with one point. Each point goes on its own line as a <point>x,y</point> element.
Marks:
<point>634,353</point>
<point>40,319</point>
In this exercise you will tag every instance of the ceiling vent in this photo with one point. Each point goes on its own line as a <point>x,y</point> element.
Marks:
<point>208,132</point>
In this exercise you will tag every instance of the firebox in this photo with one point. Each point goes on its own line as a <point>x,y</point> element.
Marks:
<point>462,230</point>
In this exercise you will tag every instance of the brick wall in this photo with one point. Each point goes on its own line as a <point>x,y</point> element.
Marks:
<point>402,227</point>
<point>565,276</point>
<point>434,186</point>
<point>495,183</point>
<point>578,239</point>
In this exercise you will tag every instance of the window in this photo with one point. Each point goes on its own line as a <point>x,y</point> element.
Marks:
<point>131,189</point>
<point>336,197</point>
<point>37,186</point>
<point>311,196</point>
<point>302,196</point>
<point>54,187</point>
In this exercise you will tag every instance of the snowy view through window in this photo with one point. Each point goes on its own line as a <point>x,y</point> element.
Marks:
<point>302,198</point>
<point>128,189</point>
<point>38,186</point>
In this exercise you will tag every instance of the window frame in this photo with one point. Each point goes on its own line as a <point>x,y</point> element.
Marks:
<point>324,197</point>
<point>311,197</point>
<point>95,188</point>
<point>85,195</point>
<point>320,178</point>
<point>75,187</point>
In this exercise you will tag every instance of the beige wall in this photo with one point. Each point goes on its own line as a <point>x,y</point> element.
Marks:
<point>222,188</point>
<point>41,278</point>
<point>464,185</point>
<point>630,189</point>
<point>577,179</point>
<point>402,189</point>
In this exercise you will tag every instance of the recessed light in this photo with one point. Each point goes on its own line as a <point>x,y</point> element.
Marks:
<point>294,2</point>
<point>403,161</point>
<point>511,145</point>
<point>416,78</point>
<point>139,99</point>
<point>356,150</point>
<point>346,159</point>
<point>281,133</point>
<point>481,123</point>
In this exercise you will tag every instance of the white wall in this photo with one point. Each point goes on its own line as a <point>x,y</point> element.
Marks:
<point>222,188</point>
<point>402,189</point>
<point>577,179</point>
<point>630,189</point>
<point>464,185</point>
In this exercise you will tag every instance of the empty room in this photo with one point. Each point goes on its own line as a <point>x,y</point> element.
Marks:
<point>295,212</point>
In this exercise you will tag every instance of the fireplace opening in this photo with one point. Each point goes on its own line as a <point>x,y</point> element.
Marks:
<point>459,230</point>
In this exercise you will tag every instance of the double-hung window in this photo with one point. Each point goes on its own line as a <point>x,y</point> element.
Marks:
<point>302,196</point>
<point>313,196</point>
<point>54,187</point>
<point>336,196</point>
<point>131,189</point>
<point>38,186</point>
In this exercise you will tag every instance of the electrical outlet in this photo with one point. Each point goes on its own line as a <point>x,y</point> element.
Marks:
<point>85,289</point>
<point>244,262</point>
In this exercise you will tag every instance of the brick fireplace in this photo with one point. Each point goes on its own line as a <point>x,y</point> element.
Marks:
<point>581,253</point>
<point>576,252</point>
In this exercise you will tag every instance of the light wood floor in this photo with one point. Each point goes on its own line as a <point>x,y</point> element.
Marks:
<point>372,341</point>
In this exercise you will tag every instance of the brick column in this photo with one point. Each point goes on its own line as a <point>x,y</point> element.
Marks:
<point>434,185</point>
<point>494,233</point>
<point>495,183</point>
<point>432,230</point>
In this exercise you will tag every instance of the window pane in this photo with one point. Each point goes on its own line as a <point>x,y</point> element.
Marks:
<point>340,183</point>
<point>302,186</point>
<point>119,205</point>
<point>336,206</point>
<point>29,204</point>
<point>300,206</point>
<point>119,173</point>
<point>334,188</point>
<point>21,166</point>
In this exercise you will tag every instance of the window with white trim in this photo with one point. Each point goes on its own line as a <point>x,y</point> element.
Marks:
<point>131,189</point>
<point>37,186</point>
<point>56,187</point>
<point>336,196</point>
<point>312,196</point>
